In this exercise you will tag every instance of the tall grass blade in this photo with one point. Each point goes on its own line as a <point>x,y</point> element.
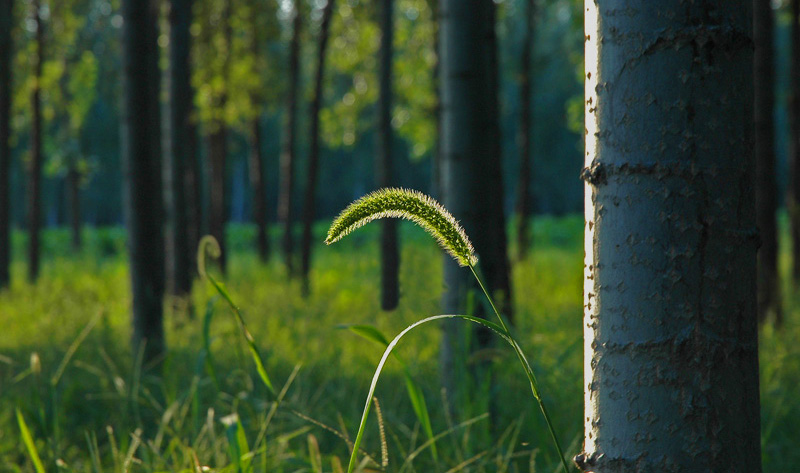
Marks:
<point>237,444</point>
<point>415,394</point>
<point>210,245</point>
<point>30,445</point>
<point>365,413</point>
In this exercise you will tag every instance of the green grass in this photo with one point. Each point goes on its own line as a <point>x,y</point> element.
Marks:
<point>105,413</point>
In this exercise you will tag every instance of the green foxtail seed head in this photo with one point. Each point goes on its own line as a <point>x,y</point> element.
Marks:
<point>207,245</point>
<point>411,205</point>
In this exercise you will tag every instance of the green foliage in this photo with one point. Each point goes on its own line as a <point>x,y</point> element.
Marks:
<point>354,83</point>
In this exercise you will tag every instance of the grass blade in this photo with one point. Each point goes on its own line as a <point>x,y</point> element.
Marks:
<point>210,245</point>
<point>365,414</point>
<point>30,445</point>
<point>415,394</point>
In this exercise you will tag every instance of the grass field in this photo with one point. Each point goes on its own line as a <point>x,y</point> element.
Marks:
<point>66,365</point>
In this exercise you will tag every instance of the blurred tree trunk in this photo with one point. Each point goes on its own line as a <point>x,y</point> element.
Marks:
<point>256,158</point>
<point>472,185</point>
<point>141,156</point>
<point>670,322</point>
<point>313,153</point>
<point>179,275</point>
<point>766,188</point>
<point>793,198</point>
<point>74,192</point>
<point>35,166</point>
<point>259,191</point>
<point>194,194</point>
<point>5,135</point>
<point>524,137</point>
<point>390,254</point>
<point>218,149</point>
<point>286,191</point>
<point>436,159</point>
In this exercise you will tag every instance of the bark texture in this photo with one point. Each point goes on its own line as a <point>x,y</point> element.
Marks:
<point>35,165</point>
<point>472,186</point>
<point>309,207</point>
<point>524,137</point>
<point>141,156</point>
<point>670,325</point>
<point>793,197</point>
<point>769,301</point>
<point>179,274</point>
<point>287,160</point>
<point>390,253</point>
<point>5,135</point>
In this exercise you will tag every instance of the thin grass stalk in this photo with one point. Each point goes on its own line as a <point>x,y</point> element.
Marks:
<point>528,370</point>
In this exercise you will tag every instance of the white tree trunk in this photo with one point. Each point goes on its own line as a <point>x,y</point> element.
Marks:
<point>671,355</point>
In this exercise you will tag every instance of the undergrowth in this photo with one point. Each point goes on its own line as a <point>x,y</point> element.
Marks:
<point>106,413</point>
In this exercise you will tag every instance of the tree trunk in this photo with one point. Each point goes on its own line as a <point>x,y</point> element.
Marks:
<point>766,198</point>
<point>313,153</point>
<point>256,161</point>
<point>5,135</point>
<point>670,326</point>
<point>259,191</point>
<point>436,154</point>
<point>35,169</point>
<point>218,151</point>
<point>390,254</point>
<point>793,198</point>
<point>141,156</point>
<point>179,282</point>
<point>285,197</point>
<point>472,186</point>
<point>524,138</point>
<point>194,194</point>
<point>74,191</point>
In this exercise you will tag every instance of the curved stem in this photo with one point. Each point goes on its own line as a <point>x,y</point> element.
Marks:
<point>528,371</point>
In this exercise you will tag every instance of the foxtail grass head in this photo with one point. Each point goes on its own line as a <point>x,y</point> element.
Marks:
<point>411,205</point>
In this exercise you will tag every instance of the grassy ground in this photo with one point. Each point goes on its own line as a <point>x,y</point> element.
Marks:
<point>65,363</point>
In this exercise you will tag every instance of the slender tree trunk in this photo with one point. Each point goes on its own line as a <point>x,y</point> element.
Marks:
<point>256,161</point>
<point>218,151</point>
<point>390,253</point>
<point>141,156</point>
<point>5,135</point>
<point>259,190</point>
<point>35,169</point>
<point>766,191</point>
<point>74,191</point>
<point>670,324</point>
<point>313,154</point>
<point>436,154</point>
<point>472,186</point>
<point>524,137</point>
<point>179,282</point>
<point>286,192</point>
<point>793,198</point>
<point>193,192</point>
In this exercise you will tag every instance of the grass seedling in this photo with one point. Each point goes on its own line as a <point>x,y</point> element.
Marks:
<point>439,223</point>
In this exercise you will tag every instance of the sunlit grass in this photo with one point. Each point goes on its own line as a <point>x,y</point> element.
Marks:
<point>102,388</point>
